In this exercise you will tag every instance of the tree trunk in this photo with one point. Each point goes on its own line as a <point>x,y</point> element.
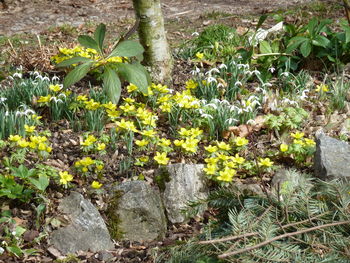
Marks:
<point>152,36</point>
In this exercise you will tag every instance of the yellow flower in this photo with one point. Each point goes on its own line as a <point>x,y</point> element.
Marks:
<point>85,169</point>
<point>65,177</point>
<point>322,88</point>
<point>29,129</point>
<point>110,106</point>
<point>241,141</point>
<point>230,164</point>
<point>127,125</point>
<point>178,143</point>
<point>82,98</point>
<point>223,157</point>
<point>238,159</point>
<point>101,146</point>
<point>14,138</point>
<point>92,104</point>
<point>89,140</point>
<point>55,88</point>
<point>300,142</point>
<point>224,146</point>
<point>199,55</point>
<point>266,162</point>
<point>36,117</point>
<point>211,148</point>
<point>161,158</point>
<point>42,146</point>
<point>22,143</point>
<point>149,133</point>
<point>85,162</point>
<point>129,100</point>
<point>191,84</point>
<point>164,142</point>
<point>131,88</point>
<point>309,142</point>
<point>284,147</point>
<point>190,145</point>
<point>297,135</point>
<point>44,99</point>
<point>141,143</point>
<point>99,167</point>
<point>210,169</point>
<point>226,175</point>
<point>165,107</point>
<point>48,149</point>
<point>212,160</point>
<point>113,113</point>
<point>96,185</point>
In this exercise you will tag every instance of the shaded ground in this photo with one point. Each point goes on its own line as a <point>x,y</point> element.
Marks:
<point>34,16</point>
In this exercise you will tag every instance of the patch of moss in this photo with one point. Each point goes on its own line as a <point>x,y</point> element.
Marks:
<point>161,178</point>
<point>113,219</point>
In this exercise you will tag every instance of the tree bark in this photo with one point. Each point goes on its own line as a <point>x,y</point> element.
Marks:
<point>153,38</point>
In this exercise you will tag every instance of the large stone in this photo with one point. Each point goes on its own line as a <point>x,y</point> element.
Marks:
<point>86,230</point>
<point>332,158</point>
<point>140,212</point>
<point>186,183</point>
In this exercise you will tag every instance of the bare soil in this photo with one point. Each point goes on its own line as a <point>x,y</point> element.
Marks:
<point>34,16</point>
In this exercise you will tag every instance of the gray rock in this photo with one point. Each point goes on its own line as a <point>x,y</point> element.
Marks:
<point>86,231</point>
<point>140,212</point>
<point>187,183</point>
<point>332,158</point>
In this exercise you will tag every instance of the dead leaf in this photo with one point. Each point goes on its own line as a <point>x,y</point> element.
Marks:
<point>30,235</point>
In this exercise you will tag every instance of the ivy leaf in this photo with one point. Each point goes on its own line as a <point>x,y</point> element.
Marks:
<point>133,74</point>
<point>111,84</point>
<point>127,48</point>
<point>77,74</point>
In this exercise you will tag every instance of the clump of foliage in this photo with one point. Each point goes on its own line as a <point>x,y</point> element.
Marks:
<point>302,220</point>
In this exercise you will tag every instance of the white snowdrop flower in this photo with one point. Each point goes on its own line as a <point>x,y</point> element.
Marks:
<point>212,105</point>
<point>213,70</point>
<point>28,111</point>
<point>7,113</point>
<point>256,72</point>
<point>207,116</point>
<point>36,73</point>
<point>3,99</point>
<point>251,122</point>
<point>233,108</point>
<point>248,109</point>
<point>22,83</point>
<point>220,85</point>
<point>195,71</point>
<point>196,102</point>
<point>39,77</point>
<point>20,68</point>
<point>223,66</point>
<point>200,111</point>
<point>195,34</point>
<point>231,121</point>
<point>224,102</point>
<point>267,84</point>
<point>304,94</point>
<point>211,79</point>
<point>54,78</point>
<point>272,69</point>
<point>2,250</point>
<point>285,74</point>
<point>217,101</point>
<point>233,62</point>
<point>45,78</point>
<point>238,83</point>
<point>19,113</point>
<point>62,95</point>
<point>171,91</point>
<point>204,102</point>
<point>17,75</point>
<point>10,77</point>
<point>288,101</point>
<point>239,110</point>
<point>244,66</point>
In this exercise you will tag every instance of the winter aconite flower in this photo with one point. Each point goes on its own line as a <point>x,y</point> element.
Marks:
<point>161,158</point>
<point>283,147</point>
<point>29,129</point>
<point>297,135</point>
<point>224,146</point>
<point>65,177</point>
<point>265,162</point>
<point>199,55</point>
<point>96,185</point>
<point>322,88</point>
<point>241,141</point>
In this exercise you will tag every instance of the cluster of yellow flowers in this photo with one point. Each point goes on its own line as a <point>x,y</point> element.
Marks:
<point>190,139</point>
<point>88,164</point>
<point>298,141</point>
<point>67,53</point>
<point>34,143</point>
<point>91,143</point>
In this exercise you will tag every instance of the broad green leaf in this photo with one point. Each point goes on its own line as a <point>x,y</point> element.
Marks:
<point>127,48</point>
<point>294,43</point>
<point>265,47</point>
<point>133,74</point>
<point>347,35</point>
<point>77,74</point>
<point>71,61</point>
<point>15,250</point>
<point>88,42</point>
<point>312,25</point>
<point>261,21</point>
<point>99,36</point>
<point>305,48</point>
<point>321,41</point>
<point>42,183</point>
<point>20,231</point>
<point>111,84</point>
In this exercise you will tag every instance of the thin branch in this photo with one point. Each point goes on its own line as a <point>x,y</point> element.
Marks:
<point>225,255</point>
<point>230,238</point>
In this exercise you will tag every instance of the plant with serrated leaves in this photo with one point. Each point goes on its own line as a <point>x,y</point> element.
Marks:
<point>122,63</point>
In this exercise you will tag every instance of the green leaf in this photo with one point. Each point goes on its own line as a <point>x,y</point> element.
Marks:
<point>294,43</point>
<point>265,47</point>
<point>133,74</point>
<point>261,21</point>
<point>88,42</point>
<point>77,74</point>
<point>15,250</point>
<point>312,25</point>
<point>305,48</point>
<point>20,231</point>
<point>99,36</point>
<point>42,183</point>
<point>347,35</point>
<point>111,84</point>
<point>71,61</point>
<point>321,41</point>
<point>127,48</point>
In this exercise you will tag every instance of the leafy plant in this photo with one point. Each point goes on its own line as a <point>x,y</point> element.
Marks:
<point>121,62</point>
